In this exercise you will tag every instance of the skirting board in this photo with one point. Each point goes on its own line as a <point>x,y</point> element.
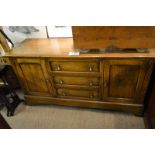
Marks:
<point>137,109</point>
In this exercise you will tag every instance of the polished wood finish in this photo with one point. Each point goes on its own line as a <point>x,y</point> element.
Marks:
<point>33,76</point>
<point>118,36</point>
<point>74,79</point>
<point>71,93</point>
<point>77,80</point>
<point>132,108</point>
<point>123,80</point>
<point>60,48</point>
<point>3,43</point>
<point>75,66</point>
<point>116,81</point>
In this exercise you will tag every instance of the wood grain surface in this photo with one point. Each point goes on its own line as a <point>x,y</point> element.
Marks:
<point>60,48</point>
<point>114,36</point>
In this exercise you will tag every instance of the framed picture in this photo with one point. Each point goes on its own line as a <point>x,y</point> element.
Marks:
<point>18,34</point>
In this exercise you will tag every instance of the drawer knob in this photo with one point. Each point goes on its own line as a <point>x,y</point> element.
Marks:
<point>61,82</point>
<point>91,95</point>
<point>91,83</point>
<point>90,68</point>
<point>64,94</point>
<point>58,68</point>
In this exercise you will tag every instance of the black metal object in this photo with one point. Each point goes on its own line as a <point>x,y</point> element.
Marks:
<point>47,32</point>
<point>7,37</point>
<point>8,95</point>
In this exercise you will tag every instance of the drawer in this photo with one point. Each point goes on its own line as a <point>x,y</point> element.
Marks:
<point>4,61</point>
<point>70,80</point>
<point>78,93</point>
<point>75,66</point>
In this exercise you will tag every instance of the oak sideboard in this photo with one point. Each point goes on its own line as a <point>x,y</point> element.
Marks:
<point>48,75</point>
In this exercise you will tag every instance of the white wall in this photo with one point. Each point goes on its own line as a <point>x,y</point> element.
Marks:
<point>62,31</point>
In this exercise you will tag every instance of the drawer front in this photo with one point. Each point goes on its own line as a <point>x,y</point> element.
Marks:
<point>67,80</point>
<point>4,61</point>
<point>78,93</point>
<point>75,66</point>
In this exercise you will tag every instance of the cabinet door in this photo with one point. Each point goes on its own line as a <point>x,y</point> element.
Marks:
<point>125,80</point>
<point>34,77</point>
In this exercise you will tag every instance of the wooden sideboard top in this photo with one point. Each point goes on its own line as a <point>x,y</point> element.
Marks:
<point>60,47</point>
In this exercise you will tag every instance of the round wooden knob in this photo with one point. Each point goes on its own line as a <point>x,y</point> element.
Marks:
<point>58,68</point>
<point>61,82</point>
<point>91,83</point>
<point>64,94</point>
<point>90,68</point>
<point>91,95</point>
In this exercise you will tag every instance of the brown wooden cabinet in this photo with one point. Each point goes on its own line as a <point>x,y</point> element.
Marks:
<point>33,76</point>
<point>123,80</point>
<point>109,84</point>
<point>116,81</point>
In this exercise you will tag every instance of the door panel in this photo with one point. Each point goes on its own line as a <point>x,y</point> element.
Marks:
<point>34,76</point>
<point>123,80</point>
